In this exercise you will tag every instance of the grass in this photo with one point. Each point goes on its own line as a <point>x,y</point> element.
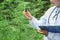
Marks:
<point>18,28</point>
<point>28,33</point>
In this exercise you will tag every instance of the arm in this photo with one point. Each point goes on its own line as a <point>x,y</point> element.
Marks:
<point>36,23</point>
<point>33,21</point>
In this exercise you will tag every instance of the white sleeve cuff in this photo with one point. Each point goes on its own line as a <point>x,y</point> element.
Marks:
<point>34,23</point>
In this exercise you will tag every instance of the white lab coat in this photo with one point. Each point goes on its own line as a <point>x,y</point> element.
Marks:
<point>44,22</point>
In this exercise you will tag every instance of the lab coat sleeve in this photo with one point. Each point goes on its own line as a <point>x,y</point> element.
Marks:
<point>42,22</point>
<point>36,23</point>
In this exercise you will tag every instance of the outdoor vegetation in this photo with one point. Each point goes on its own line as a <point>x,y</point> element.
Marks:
<point>13,24</point>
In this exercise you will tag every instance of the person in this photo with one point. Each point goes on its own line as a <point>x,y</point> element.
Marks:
<point>50,18</point>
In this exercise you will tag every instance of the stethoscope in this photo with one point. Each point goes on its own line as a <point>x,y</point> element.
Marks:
<point>56,15</point>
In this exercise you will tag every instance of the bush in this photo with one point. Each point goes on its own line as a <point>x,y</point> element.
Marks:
<point>38,7</point>
<point>13,25</point>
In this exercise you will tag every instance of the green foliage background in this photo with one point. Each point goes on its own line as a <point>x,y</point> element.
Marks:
<point>13,24</point>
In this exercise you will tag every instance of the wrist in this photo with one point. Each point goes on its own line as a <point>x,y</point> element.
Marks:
<point>30,17</point>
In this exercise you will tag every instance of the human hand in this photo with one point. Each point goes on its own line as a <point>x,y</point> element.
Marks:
<point>27,15</point>
<point>44,32</point>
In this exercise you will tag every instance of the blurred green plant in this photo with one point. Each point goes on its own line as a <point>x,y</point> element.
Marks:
<point>38,7</point>
<point>13,25</point>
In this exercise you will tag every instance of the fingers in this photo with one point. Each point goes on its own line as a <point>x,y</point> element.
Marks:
<point>40,31</point>
<point>27,15</point>
<point>44,32</point>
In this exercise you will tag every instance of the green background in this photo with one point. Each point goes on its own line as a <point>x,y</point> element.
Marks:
<point>13,24</point>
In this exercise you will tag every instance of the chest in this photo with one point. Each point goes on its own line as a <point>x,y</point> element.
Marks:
<point>54,18</point>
